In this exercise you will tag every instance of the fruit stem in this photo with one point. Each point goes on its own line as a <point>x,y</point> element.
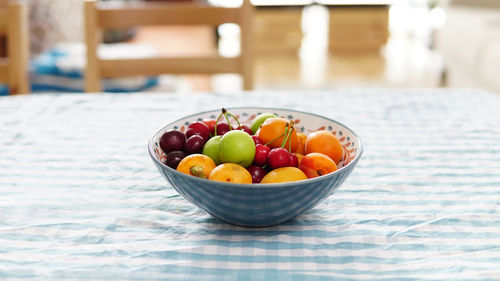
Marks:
<point>197,171</point>
<point>229,123</point>
<point>275,139</point>
<point>234,117</point>
<point>217,121</point>
<point>225,113</point>
<point>288,132</point>
<point>285,138</point>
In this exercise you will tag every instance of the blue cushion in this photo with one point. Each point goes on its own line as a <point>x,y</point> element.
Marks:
<point>61,69</point>
<point>4,90</point>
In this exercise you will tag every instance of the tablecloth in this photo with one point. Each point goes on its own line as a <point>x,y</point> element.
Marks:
<point>80,198</point>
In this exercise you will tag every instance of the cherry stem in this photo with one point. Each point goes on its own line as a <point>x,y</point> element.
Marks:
<point>217,121</point>
<point>229,123</point>
<point>226,113</point>
<point>234,117</point>
<point>285,138</point>
<point>275,139</point>
<point>288,131</point>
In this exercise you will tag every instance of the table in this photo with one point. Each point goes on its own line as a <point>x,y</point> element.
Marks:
<point>81,200</point>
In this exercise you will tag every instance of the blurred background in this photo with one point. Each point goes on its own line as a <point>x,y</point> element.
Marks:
<point>298,44</point>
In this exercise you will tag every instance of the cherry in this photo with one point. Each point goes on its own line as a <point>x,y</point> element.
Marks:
<point>256,140</point>
<point>198,128</point>
<point>278,157</point>
<point>294,161</point>
<point>211,125</point>
<point>256,172</point>
<point>246,129</point>
<point>222,128</point>
<point>261,153</point>
<point>172,140</point>
<point>194,144</point>
<point>174,157</point>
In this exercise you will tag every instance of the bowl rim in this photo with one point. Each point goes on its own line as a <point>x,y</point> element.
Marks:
<point>263,185</point>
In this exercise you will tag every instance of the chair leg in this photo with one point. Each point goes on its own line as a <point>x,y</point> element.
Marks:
<point>18,49</point>
<point>246,46</point>
<point>93,37</point>
<point>444,78</point>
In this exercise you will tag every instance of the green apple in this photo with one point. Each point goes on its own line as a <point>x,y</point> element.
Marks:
<point>211,149</point>
<point>259,120</point>
<point>237,147</point>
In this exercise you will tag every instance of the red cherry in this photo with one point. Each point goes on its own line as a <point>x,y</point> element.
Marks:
<point>211,125</point>
<point>278,157</point>
<point>198,128</point>
<point>256,172</point>
<point>246,129</point>
<point>261,153</point>
<point>222,128</point>
<point>256,140</point>
<point>294,161</point>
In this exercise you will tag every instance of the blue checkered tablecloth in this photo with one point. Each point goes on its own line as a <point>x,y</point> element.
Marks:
<point>80,198</point>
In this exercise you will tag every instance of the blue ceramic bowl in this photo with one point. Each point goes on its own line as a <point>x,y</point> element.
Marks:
<point>259,205</point>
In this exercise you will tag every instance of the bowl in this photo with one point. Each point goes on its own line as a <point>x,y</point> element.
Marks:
<point>260,205</point>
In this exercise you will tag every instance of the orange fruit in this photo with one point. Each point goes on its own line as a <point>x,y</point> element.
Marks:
<point>299,156</point>
<point>272,129</point>
<point>301,147</point>
<point>317,164</point>
<point>284,174</point>
<point>198,165</point>
<point>326,143</point>
<point>230,172</point>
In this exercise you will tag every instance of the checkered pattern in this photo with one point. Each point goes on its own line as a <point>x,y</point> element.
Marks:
<point>81,200</point>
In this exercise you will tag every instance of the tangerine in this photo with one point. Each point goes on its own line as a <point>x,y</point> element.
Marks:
<point>299,157</point>
<point>284,174</point>
<point>301,137</point>
<point>230,172</point>
<point>271,130</point>
<point>326,143</point>
<point>198,165</point>
<point>317,164</point>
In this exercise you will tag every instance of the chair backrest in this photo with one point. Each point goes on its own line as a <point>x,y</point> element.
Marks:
<point>99,16</point>
<point>14,67</point>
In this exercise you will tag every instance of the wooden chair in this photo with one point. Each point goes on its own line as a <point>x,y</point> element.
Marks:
<point>14,67</point>
<point>103,15</point>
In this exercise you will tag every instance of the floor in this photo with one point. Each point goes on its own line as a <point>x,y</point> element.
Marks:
<point>406,61</point>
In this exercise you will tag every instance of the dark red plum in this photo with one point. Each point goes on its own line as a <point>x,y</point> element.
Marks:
<point>194,144</point>
<point>172,140</point>
<point>256,172</point>
<point>174,157</point>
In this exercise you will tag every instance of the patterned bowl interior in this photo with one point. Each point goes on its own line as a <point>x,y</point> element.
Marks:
<point>304,122</point>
